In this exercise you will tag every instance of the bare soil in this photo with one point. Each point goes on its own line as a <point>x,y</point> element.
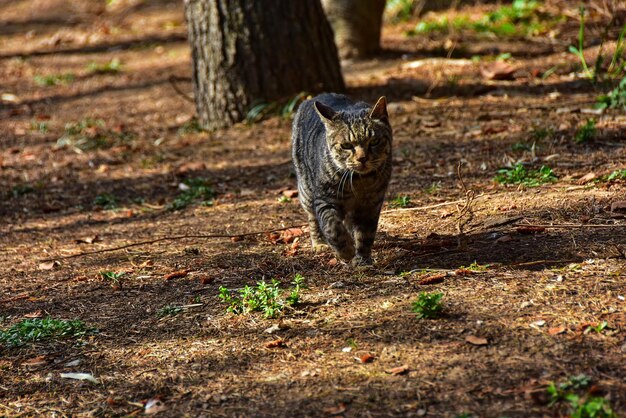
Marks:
<point>533,303</point>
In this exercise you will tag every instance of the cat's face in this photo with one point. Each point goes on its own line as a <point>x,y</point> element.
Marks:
<point>358,142</point>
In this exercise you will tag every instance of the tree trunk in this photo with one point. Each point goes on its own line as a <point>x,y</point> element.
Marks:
<point>250,51</point>
<point>357,25</point>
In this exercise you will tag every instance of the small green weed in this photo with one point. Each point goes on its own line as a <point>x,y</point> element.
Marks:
<point>617,175</point>
<point>400,202</point>
<point>54,79</point>
<point>285,109</point>
<point>191,190</point>
<point>21,190</point>
<point>46,329</point>
<point>284,199</point>
<point>586,132</point>
<point>615,99</point>
<point>192,126</point>
<point>41,127</point>
<point>476,267</point>
<point>265,297</point>
<point>400,10</point>
<point>113,277</point>
<point>540,133</point>
<point>521,18</point>
<point>106,201</point>
<point>428,305</point>
<point>616,66</point>
<point>90,134</point>
<point>169,310</point>
<point>597,328</point>
<point>580,406</point>
<point>112,67</point>
<point>529,178</point>
<point>434,188</point>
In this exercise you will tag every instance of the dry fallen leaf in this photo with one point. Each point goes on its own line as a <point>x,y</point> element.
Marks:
<point>398,370</point>
<point>586,178</point>
<point>291,193</point>
<point>366,358</point>
<point>176,275</point>
<point>154,406</point>
<point>474,340</point>
<point>35,361</point>
<point>618,206</point>
<point>88,240</point>
<point>293,249</point>
<point>80,376</point>
<point>276,344</point>
<point>34,314</point>
<point>529,229</point>
<point>336,410</point>
<point>433,279</point>
<point>206,279</point>
<point>557,330</point>
<point>48,265</point>
<point>499,70</point>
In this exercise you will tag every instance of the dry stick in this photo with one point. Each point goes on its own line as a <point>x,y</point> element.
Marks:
<point>169,238</point>
<point>566,226</point>
<point>172,79</point>
<point>438,205</point>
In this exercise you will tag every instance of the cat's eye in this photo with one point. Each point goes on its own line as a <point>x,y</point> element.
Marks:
<point>347,145</point>
<point>374,142</point>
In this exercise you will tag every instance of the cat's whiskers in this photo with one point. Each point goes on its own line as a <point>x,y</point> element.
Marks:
<point>352,186</point>
<point>342,183</point>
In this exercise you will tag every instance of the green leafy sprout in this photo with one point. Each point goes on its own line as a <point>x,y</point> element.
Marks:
<point>400,202</point>
<point>169,310</point>
<point>193,189</point>
<point>106,201</point>
<point>113,277</point>
<point>90,134</point>
<point>285,109</point>
<point>586,132</point>
<point>521,18</point>
<point>54,79</point>
<point>585,406</point>
<point>615,99</point>
<point>112,67</point>
<point>518,174</point>
<point>46,329</point>
<point>428,305</point>
<point>267,298</point>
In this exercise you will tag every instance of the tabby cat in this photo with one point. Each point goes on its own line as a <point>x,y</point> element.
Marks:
<point>342,157</point>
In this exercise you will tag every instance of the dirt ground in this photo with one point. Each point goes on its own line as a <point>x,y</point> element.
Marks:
<point>507,330</point>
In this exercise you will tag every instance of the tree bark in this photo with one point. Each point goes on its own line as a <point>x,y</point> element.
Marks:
<point>250,51</point>
<point>357,25</point>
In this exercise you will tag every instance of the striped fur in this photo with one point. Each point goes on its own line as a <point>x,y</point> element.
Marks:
<point>342,157</point>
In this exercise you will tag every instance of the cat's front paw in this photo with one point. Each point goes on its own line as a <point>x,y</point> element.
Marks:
<point>346,254</point>
<point>362,262</point>
<point>320,247</point>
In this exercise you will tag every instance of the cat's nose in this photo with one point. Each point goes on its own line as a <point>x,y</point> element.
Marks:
<point>362,159</point>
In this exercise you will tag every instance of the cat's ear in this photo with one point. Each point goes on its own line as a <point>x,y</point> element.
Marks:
<point>326,113</point>
<point>379,111</point>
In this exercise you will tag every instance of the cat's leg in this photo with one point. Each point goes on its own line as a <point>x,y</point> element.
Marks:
<point>334,232</point>
<point>364,224</point>
<point>317,238</point>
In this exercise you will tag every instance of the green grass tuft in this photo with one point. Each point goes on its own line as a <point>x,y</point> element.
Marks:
<point>265,297</point>
<point>428,305</point>
<point>193,189</point>
<point>529,178</point>
<point>30,331</point>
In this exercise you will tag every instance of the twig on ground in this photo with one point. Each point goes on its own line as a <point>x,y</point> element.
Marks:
<point>169,238</point>
<point>467,207</point>
<point>437,205</point>
<point>568,226</point>
<point>173,79</point>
